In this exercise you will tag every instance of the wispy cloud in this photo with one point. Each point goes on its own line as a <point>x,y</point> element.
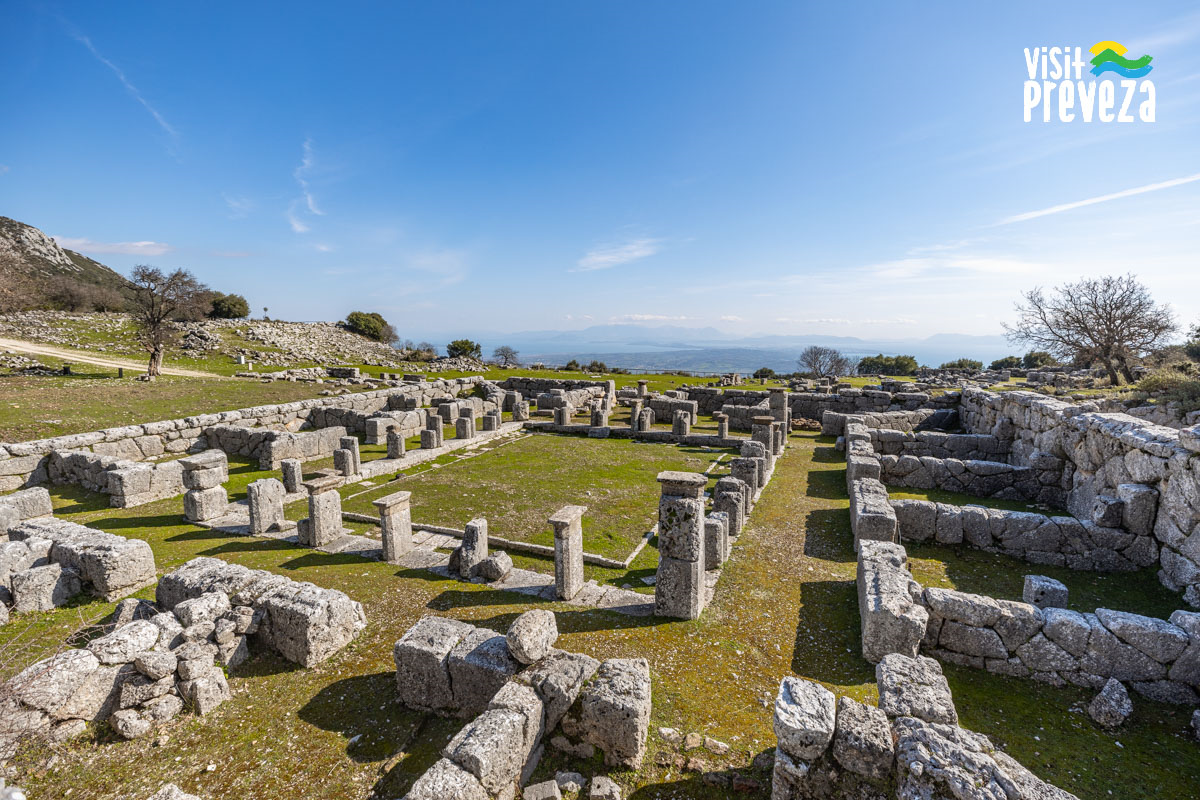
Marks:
<point>572,317</point>
<point>128,84</point>
<point>124,248</point>
<point>239,207</point>
<point>323,248</point>
<point>914,267</point>
<point>1104,198</point>
<point>307,201</point>
<point>731,318</point>
<point>651,318</point>
<point>612,255</point>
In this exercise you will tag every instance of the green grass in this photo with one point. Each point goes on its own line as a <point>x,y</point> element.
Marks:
<point>518,486</point>
<point>786,604</point>
<point>960,499</point>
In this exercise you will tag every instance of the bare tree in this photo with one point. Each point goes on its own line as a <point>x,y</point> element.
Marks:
<point>158,302</point>
<point>507,356</point>
<point>823,362</point>
<point>1107,321</point>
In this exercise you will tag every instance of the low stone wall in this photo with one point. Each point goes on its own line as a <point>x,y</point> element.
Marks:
<point>963,446</point>
<point>406,423</point>
<point>979,478</point>
<point>105,564</point>
<point>26,463</point>
<point>128,483</point>
<point>833,423</point>
<point>664,408</point>
<point>302,622</point>
<point>909,746</point>
<point>893,619</point>
<point>1061,541</point>
<point>271,447</point>
<point>1104,464</point>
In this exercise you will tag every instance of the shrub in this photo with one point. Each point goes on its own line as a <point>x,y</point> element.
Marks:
<point>1008,362</point>
<point>1038,358</point>
<point>887,365</point>
<point>464,348</point>
<point>572,366</point>
<point>764,372</point>
<point>229,306</point>
<point>597,366</point>
<point>371,325</point>
<point>1173,386</point>
<point>963,363</point>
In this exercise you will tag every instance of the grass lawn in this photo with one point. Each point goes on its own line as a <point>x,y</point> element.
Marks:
<point>518,486</point>
<point>786,604</point>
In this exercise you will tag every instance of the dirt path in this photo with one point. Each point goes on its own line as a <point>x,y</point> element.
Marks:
<point>87,358</point>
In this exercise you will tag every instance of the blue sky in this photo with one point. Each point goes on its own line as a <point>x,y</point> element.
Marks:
<point>757,167</point>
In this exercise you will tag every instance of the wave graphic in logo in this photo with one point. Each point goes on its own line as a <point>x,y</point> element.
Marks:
<point>1109,56</point>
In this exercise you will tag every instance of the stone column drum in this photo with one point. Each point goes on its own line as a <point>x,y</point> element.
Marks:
<point>520,412</point>
<point>203,475</point>
<point>474,547</point>
<point>679,587</point>
<point>293,475</point>
<point>265,499</point>
<point>746,470</point>
<point>324,523</point>
<point>351,443</point>
<point>722,425</point>
<point>682,424</point>
<point>395,523</point>
<point>395,444</point>
<point>716,540</point>
<point>568,551</point>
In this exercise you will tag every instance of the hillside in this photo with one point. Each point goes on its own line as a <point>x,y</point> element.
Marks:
<point>31,262</point>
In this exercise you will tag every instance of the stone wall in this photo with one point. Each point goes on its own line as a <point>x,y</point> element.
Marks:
<point>1110,467</point>
<point>27,463</point>
<point>107,565</point>
<point>963,446</point>
<point>128,483</point>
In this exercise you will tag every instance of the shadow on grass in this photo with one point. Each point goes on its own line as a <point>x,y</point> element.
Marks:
<point>158,521</point>
<point>315,558</point>
<point>248,546</point>
<point>351,707</point>
<point>827,484</point>
<point>263,665</point>
<point>827,535</point>
<point>828,637</point>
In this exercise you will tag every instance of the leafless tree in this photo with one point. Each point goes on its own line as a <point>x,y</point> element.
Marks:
<point>823,362</point>
<point>158,302</point>
<point>1109,321</point>
<point>506,356</point>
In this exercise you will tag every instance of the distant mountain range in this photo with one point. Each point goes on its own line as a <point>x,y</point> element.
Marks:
<point>712,350</point>
<point>31,262</point>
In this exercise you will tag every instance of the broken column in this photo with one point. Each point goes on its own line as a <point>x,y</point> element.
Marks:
<point>562,415</point>
<point>746,470</point>
<point>324,523</point>
<point>293,474</point>
<point>464,426</point>
<point>395,523</point>
<point>520,412</point>
<point>568,551</point>
<point>395,444</point>
<point>265,498</point>
<point>681,425</point>
<point>679,587</point>
<point>646,419</point>
<point>351,443</point>
<point>729,497</point>
<point>762,430</point>
<point>431,436</point>
<point>202,477</point>
<point>722,425</point>
<point>716,539</point>
<point>643,389</point>
<point>600,417</point>
<point>474,548</point>
<point>635,413</point>
<point>343,462</point>
<point>511,398</point>
<point>491,422</point>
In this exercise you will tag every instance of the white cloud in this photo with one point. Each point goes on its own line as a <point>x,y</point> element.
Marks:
<point>238,206</point>
<point>124,248</point>
<point>1104,198</point>
<point>307,201</point>
<point>323,248</point>
<point>913,267</point>
<point>584,317</point>
<point>612,255</point>
<point>731,318</point>
<point>129,87</point>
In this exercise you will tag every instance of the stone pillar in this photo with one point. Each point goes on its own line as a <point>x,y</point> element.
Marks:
<point>395,444</point>
<point>351,443</point>
<point>491,422</point>
<point>646,419</point>
<point>464,428</point>
<point>635,415</point>
<point>600,418</point>
<point>474,549</point>
<point>682,424</point>
<point>293,474</point>
<point>511,398</point>
<point>777,402</point>
<point>446,412</point>
<point>610,395</point>
<point>324,523</point>
<point>679,587</point>
<point>730,498</point>
<point>265,499</point>
<point>395,523</point>
<point>780,430</point>
<point>716,539</point>
<point>343,462</point>
<point>562,415</point>
<point>643,389</point>
<point>568,551</point>
<point>521,411</point>
<point>722,425</point>
<point>746,470</point>
<point>203,475</point>
<point>763,432</point>
<point>434,421</point>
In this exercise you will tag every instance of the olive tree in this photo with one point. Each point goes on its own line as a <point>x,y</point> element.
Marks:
<point>159,301</point>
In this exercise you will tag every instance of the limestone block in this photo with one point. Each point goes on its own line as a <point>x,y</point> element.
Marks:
<point>125,643</point>
<point>293,475</point>
<point>156,665</point>
<point>495,567</point>
<point>862,740</point>
<point>309,624</point>
<point>532,635</point>
<point>716,540</point>
<point>205,608</point>
<point>44,588</point>
<point>1157,638</point>
<point>395,444</point>
<point>343,462</point>
<point>1044,592</point>
<point>206,692</point>
<point>804,718</point>
<point>490,747</point>
<point>474,547</point>
<point>914,687</point>
<point>201,505</point>
<point>1112,706</point>
<point>615,711</point>
<point>1139,509</point>
<point>568,551</point>
<point>203,478</point>
<point>681,528</point>
<point>679,588</point>
<point>422,674</point>
<point>479,665</point>
<point>395,521</point>
<point>50,683</point>
<point>557,680</point>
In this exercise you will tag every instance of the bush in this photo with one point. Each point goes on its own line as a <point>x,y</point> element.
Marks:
<point>572,366</point>
<point>597,366</point>
<point>464,348</point>
<point>371,325</point>
<point>1008,362</point>
<point>887,365</point>
<point>764,372</point>
<point>1192,349</point>
<point>963,363</point>
<point>229,306</point>
<point>1173,386</point>
<point>67,294</point>
<point>1035,359</point>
